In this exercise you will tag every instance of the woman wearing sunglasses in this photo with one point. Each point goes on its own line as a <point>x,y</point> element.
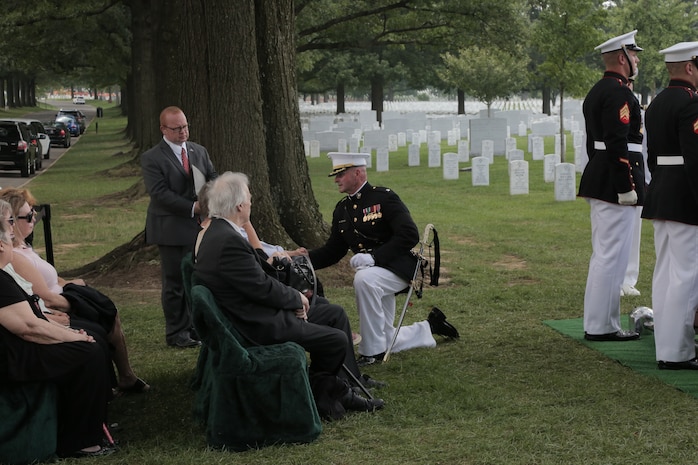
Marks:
<point>49,286</point>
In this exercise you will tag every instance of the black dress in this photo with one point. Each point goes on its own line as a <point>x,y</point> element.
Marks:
<point>78,369</point>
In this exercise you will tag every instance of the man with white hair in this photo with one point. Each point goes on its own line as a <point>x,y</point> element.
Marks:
<point>261,308</point>
<point>672,205</point>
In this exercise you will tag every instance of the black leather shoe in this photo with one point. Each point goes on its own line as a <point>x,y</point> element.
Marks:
<point>353,401</point>
<point>439,325</point>
<point>687,365</point>
<point>364,360</point>
<point>371,383</point>
<point>183,341</point>
<point>617,336</point>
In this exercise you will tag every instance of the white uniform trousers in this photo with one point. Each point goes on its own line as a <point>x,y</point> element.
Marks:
<point>611,236</point>
<point>633,269</point>
<point>375,289</point>
<point>675,290</point>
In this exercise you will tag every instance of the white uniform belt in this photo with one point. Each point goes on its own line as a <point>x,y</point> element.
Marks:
<point>601,145</point>
<point>669,160</point>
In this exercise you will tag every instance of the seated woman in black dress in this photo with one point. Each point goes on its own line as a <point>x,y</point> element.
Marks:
<point>34,349</point>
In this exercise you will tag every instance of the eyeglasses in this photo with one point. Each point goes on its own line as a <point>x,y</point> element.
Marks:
<point>29,216</point>
<point>178,128</point>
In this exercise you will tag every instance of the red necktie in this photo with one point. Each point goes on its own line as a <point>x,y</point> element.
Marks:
<point>185,160</point>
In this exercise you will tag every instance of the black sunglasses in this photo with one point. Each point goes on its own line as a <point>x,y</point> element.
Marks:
<point>29,217</point>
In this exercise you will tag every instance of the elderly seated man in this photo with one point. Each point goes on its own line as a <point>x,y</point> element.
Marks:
<point>264,310</point>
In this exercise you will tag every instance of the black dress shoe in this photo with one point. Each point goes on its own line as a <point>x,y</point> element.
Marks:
<point>183,341</point>
<point>439,325</point>
<point>371,383</point>
<point>353,401</point>
<point>617,336</point>
<point>364,360</point>
<point>687,365</point>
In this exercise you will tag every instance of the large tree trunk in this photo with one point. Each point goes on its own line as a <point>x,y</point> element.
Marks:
<point>289,180</point>
<point>461,102</point>
<point>341,98</point>
<point>546,100</point>
<point>377,96</point>
<point>562,124</point>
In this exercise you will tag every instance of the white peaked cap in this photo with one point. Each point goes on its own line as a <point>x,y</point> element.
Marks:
<point>683,51</point>
<point>343,160</point>
<point>617,43</point>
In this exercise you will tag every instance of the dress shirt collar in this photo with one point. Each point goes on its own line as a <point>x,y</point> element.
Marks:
<point>177,149</point>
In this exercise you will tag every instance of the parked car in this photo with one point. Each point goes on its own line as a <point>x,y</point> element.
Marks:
<point>78,115</point>
<point>37,129</point>
<point>71,123</point>
<point>16,150</point>
<point>79,100</point>
<point>58,133</point>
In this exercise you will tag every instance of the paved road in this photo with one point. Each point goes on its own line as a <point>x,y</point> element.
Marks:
<point>13,178</point>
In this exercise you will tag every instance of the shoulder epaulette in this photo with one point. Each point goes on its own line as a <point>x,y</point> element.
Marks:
<point>381,189</point>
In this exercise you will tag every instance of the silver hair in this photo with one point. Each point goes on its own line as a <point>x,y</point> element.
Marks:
<point>5,208</point>
<point>227,192</point>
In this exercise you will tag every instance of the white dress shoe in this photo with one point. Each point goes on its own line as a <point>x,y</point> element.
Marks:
<point>627,290</point>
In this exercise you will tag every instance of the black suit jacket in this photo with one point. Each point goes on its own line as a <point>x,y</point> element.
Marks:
<point>612,116</point>
<point>172,193</point>
<point>672,130</point>
<point>260,307</point>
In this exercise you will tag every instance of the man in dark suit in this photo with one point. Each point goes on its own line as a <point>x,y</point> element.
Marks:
<point>376,225</point>
<point>174,171</point>
<point>613,183</point>
<point>264,310</point>
<point>672,205</point>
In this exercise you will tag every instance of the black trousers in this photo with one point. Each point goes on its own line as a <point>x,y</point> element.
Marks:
<point>326,314</point>
<point>174,304</point>
<point>79,371</point>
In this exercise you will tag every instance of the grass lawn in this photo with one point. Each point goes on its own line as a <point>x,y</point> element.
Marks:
<point>510,391</point>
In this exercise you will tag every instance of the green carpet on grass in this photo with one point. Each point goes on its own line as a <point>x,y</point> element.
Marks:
<point>637,355</point>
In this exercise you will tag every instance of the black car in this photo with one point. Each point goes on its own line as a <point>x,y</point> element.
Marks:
<point>71,123</point>
<point>17,152</point>
<point>78,115</point>
<point>58,132</point>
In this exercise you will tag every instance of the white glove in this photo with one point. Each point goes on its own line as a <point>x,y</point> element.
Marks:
<point>361,261</point>
<point>627,198</point>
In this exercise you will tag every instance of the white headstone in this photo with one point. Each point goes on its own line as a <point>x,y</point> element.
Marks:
<point>392,142</point>
<point>565,182</point>
<point>342,145</point>
<point>523,130</point>
<point>481,171</point>
<point>401,139</point>
<point>306,147</point>
<point>557,144</point>
<point>551,160</point>
<point>577,138</point>
<point>413,155</point>
<point>488,150</point>
<point>463,151</point>
<point>416,138</point>
<point>450,165</point>
<point>515,155</point>
<point>518,177</point>
<point>434,156</point>
<point>434,137</point>
<point>314,148</point>
<point>382,160</point>
<point>354,143</point>
<point>537,148</point>
<point>510,145</point>
<point>422,135</point>
<point>452,137</point>
<point>368,150</point>
<point>580,158</point>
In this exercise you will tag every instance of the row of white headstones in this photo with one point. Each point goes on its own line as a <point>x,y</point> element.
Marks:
<point>561,174</point>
